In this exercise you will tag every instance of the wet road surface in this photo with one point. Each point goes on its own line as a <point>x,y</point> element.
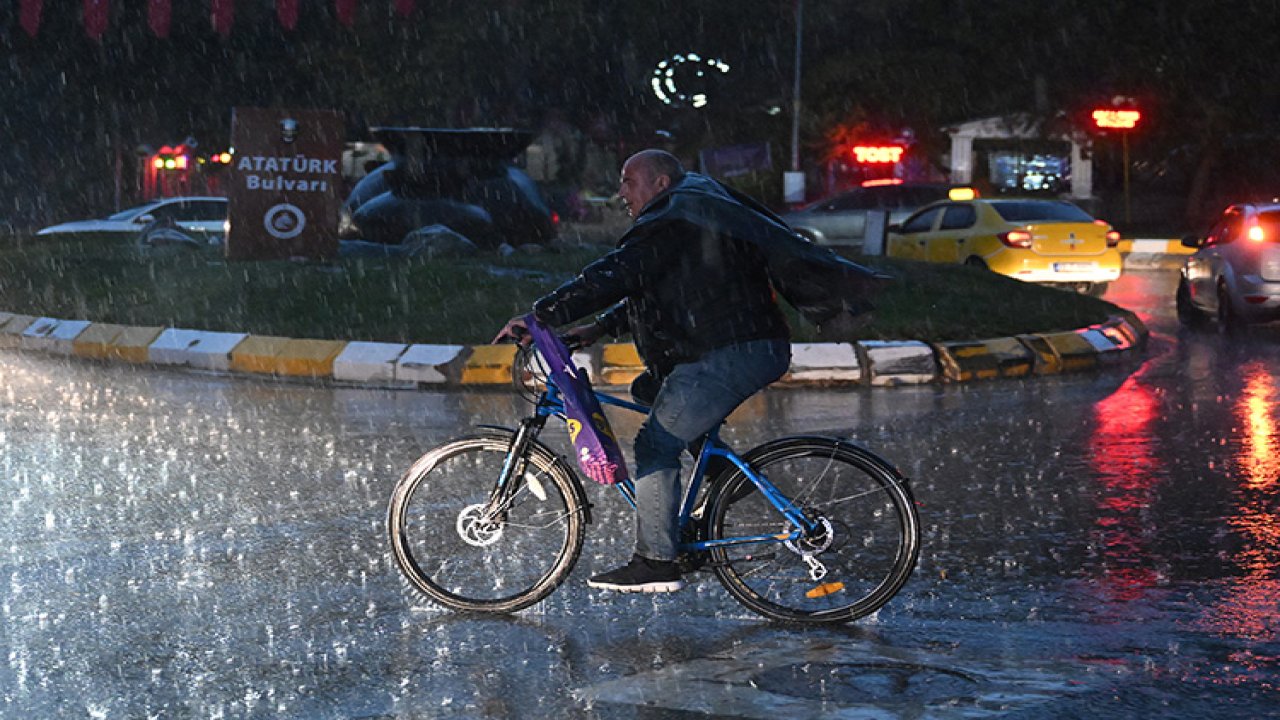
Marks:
<point>1101,545</point>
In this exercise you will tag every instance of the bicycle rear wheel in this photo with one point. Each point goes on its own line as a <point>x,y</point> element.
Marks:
<point>866,545</point>
<point>461,551</point>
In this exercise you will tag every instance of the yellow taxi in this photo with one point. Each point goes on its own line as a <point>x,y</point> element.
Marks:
<point>1043,241</point>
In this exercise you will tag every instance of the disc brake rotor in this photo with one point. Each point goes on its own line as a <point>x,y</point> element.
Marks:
<point>475,528</point>
<point>814,545</point>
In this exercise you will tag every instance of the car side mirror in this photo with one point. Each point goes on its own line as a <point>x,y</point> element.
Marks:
<point>145,219</point>
<point>895,228</point>
<point>1192,241</point>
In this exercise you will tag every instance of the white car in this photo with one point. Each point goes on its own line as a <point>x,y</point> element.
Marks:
<point>203,216</point>
<point>842,219</point>
<point>1234,274</point>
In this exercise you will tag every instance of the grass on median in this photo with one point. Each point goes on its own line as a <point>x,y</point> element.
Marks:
<point>463,301</point>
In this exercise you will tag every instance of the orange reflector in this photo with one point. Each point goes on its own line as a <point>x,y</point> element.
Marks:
<point>824,590</point>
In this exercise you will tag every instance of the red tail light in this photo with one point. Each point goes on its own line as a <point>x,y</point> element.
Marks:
<point>1016,238</point>
<point>1113,236</point>
<point>555,219</point>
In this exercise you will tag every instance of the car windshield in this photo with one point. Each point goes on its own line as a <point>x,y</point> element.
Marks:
<point>1024,211</point>
<point>131,212</point>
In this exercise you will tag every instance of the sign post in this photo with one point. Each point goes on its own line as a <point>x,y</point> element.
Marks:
<point>285,178</point>
<point>1123,120</point>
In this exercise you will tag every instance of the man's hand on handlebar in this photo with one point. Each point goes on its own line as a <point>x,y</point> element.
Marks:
<point>515,330</point>
<point>583,335</point>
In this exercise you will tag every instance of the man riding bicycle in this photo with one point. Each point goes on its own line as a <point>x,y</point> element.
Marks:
<point>700,307</point>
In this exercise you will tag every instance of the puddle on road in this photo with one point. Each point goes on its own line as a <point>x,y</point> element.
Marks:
<point>853,680</point>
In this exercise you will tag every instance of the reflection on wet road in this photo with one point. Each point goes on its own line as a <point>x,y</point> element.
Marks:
<point>1102,545</point>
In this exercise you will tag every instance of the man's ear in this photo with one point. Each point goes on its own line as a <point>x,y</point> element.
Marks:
<point>664,183</point>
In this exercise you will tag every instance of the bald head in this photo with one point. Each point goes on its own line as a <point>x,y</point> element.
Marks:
<point>646,175</point>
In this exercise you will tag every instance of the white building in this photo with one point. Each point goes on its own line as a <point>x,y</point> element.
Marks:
<point>1018,154</point>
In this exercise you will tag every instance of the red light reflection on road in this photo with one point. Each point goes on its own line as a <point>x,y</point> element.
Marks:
<point>1248,608</point>
<point>1121,453</point>
<point>1261,461</point>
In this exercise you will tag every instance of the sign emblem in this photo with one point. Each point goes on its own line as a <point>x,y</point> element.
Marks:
<point>284,221</point>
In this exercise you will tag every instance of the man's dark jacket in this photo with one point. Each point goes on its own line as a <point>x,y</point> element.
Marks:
<point>696,272</point>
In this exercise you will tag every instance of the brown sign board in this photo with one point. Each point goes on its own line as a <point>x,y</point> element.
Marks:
<point>286,176</point>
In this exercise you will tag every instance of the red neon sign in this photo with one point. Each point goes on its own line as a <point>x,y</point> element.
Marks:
<point>878,153</point>
<point>1117,119</point>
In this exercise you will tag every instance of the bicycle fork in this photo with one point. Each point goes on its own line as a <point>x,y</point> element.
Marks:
<point>513,469</point>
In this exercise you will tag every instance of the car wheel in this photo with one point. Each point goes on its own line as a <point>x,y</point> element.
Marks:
<point>1229,321</point>
<point>1188,314</point>
<point>1097,289</point>
<point>974,261</point>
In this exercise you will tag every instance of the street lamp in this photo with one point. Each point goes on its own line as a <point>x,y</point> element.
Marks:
<point>793,181</point>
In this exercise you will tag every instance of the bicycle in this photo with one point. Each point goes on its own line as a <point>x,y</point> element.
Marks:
<point>803,528</point>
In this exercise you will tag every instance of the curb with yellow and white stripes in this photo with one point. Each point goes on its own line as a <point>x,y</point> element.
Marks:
<point>868,363</point>
<point>1149,253</point>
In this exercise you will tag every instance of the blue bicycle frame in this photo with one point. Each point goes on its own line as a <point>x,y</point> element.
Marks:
<point>551,403</point>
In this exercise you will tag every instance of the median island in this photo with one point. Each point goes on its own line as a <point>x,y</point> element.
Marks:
<point>459,300</point>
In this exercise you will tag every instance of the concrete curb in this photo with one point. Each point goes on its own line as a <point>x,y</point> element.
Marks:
<point>875,363</point>
<point>1153,253</point>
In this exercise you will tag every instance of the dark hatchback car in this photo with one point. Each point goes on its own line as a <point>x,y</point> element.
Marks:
<point>841,219</point>
<point>461,179</point>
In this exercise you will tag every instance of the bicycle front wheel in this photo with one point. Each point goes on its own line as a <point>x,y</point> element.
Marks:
<point>864,545</point>
<point>464,550</point>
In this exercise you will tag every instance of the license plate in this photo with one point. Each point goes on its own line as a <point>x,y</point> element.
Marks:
<point>1074,266</point>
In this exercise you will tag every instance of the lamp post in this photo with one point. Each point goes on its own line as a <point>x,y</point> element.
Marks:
<point>1123,120</point>
<point>793,181</point>
<point>795,89</point>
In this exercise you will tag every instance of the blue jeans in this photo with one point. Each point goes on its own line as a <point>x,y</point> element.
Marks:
<point>692,400</point>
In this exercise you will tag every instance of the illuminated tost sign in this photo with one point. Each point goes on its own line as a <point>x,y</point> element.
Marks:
<point>878,154</point>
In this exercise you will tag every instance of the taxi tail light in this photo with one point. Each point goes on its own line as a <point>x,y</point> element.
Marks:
<point>1016,238</point>
<point>1113,236</point>
<point>1257,234</point>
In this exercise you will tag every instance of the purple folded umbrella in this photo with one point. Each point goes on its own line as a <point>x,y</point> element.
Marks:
<point>594,443</point>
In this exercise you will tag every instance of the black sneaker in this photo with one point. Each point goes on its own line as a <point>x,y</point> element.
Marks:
<point>641,575</point>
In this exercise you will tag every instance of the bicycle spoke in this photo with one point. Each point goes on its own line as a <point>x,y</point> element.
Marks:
<point>847,498</point>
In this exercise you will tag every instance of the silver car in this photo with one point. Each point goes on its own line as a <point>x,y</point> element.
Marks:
<point>842,219</point>
<point>1234,274</point>
<point>202,216</point>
